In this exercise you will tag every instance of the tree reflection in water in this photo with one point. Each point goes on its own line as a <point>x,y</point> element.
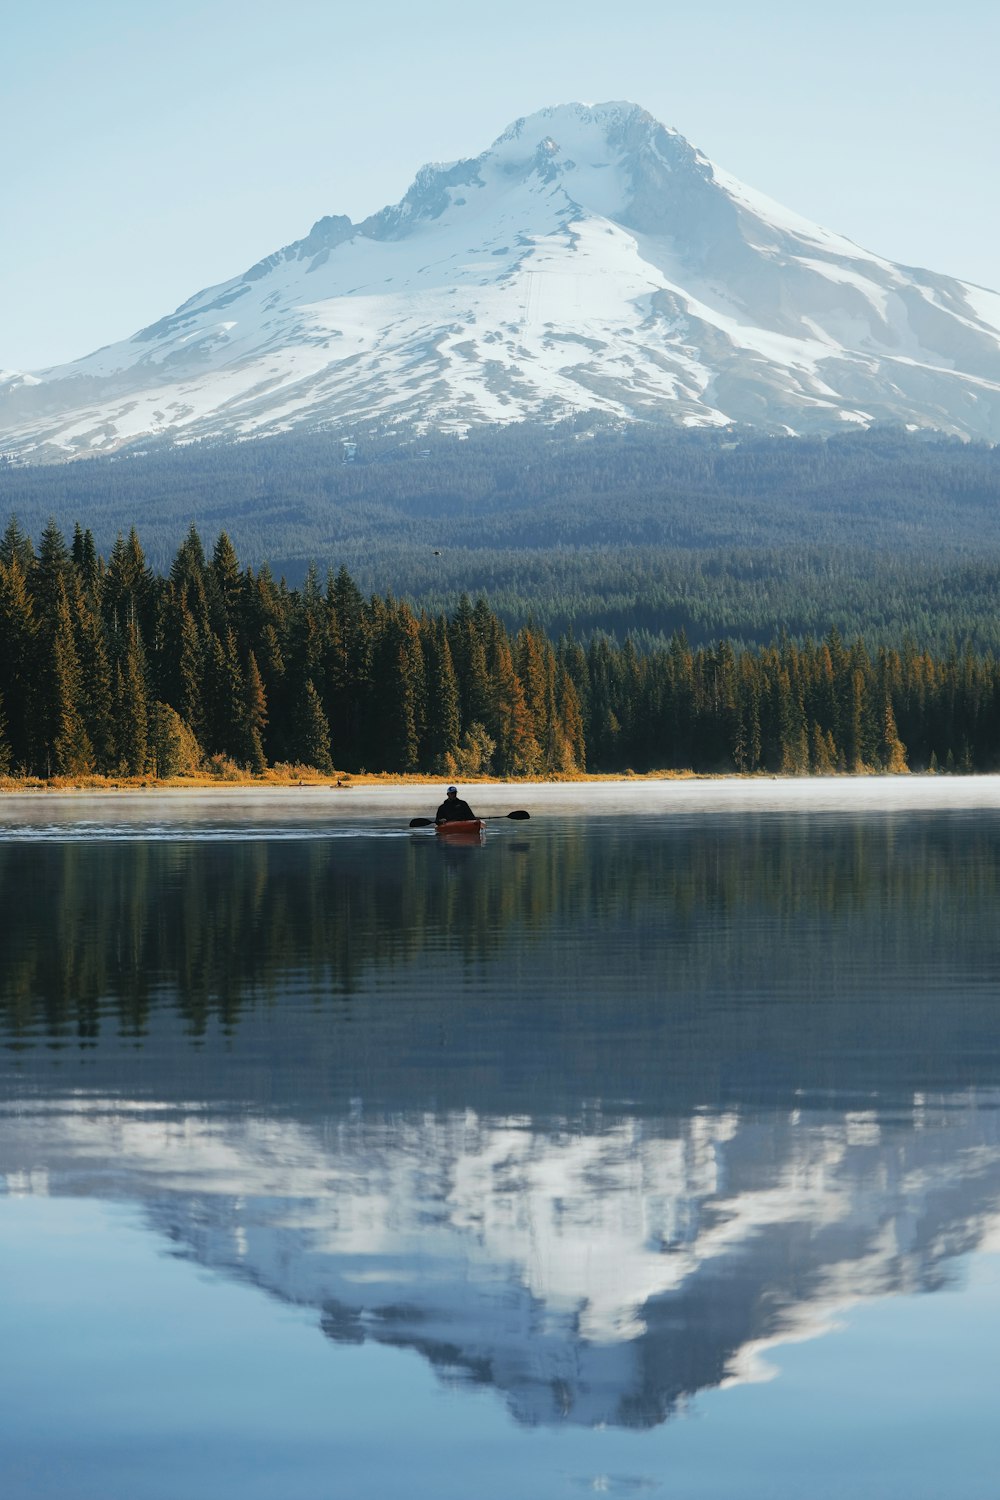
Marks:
<point>592,1116</point>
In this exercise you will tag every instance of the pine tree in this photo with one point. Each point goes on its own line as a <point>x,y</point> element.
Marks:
<point>823,752</point>
<point>400,691</point>
<point>173,749</point>
<point>127,589</point>
<point>96,679</point>
<point>571,752</point>
<point>512,725</point>
<point>226,716</point>
<point>794,740</point>
<point>443,717</point>
<point>51,575</point>
<point>19,684</point>
<point>347,666</point>
<point>747,749</point>
<point>15,547</point>
<point>467,643</point>
<point>228,584</point>
<point>535,666</point>
<point>131,705</point>
<point>70,752</point>
<point>5,755</point>
<point>311,742</point>
<point>254,718</point>
<point>892,751</point>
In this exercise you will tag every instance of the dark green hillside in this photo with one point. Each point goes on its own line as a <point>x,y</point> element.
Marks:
<point>636,531</point>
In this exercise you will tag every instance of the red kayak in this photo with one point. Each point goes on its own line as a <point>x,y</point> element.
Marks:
<point>467,828</point>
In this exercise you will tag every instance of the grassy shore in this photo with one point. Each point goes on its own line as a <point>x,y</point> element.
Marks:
<point>292,776</point>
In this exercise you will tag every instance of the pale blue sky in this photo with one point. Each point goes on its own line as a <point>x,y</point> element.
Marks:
<point>155,147</point>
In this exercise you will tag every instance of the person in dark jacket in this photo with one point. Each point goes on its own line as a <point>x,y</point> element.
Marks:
<point>453,809</point>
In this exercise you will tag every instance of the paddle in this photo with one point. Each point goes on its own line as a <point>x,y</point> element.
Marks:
<point>520,816</point>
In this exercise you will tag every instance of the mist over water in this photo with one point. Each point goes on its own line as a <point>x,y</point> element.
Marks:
<point>562,1141</point>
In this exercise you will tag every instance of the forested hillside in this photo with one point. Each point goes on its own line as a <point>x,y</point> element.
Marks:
<point>110,667</point>
<point>639,531</point>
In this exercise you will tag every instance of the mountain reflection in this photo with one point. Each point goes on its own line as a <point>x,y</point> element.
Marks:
<point>593,1116</point>
<point>598,1276</point>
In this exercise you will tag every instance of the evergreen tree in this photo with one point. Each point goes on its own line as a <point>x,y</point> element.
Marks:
<point>571,750</point>
<point>228,585</point>
<point>127,588</point>
<point>467,641</point>
<point>347,667</point>
<point>173,749</point>
<point>5,755</point>
<point>400,691</point>
<point>518,751</point>
<point>19,683</point>
<point>535,666</point>
<point>131,704</point>
<point>793,736</point>
<point>311,741</point>
<point>15,547</point>
<point>254,719</point>
<point>96,679</point>
<point>51,575</point>
<point>68,748</point>
<point>443,715</point>
<point>226,721</point>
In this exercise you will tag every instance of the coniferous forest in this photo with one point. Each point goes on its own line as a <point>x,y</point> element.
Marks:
<point>108,667</point>
<point>643,531</point>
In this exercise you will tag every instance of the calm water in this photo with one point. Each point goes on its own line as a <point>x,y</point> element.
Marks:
<point>621,1155</point>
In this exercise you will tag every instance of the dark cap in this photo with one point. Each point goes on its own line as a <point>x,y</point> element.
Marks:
<point>453,789</point>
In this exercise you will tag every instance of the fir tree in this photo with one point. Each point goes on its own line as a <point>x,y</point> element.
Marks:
<point>173,749</point>
<point>15,547</point>
<point>19,676</point>
<point>311,741</point>
<point>512,726</point>
<point>443,717</point>
<point>70,752</point>
<point>96,680</point>
<point>254,718</point>
<point>226,719</point>
<point>131,705</point>
<point>51,574</point>
<point>5,755</point>
<point>228,584</point>
<point>571,754</point>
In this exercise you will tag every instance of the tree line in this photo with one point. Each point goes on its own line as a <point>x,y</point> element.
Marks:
<point>107,667</point>
<point>642,531</point>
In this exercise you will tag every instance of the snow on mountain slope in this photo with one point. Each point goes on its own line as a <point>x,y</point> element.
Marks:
<point>591,260</point>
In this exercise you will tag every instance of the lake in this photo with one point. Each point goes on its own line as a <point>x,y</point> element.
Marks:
<point>650,1147</point>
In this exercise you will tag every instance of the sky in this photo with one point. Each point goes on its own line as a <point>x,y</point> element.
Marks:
<point>155,147</point>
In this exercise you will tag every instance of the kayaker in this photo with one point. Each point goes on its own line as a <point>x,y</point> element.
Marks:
<point>454,810</point>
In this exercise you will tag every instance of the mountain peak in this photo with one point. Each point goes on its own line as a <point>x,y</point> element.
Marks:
<point>590,260</point>
<point>573,119</point>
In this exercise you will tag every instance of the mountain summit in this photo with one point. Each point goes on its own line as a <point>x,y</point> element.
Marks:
<point>590,261</point>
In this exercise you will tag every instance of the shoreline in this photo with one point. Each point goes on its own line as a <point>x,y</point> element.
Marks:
<point>345,781</point>
<point>310,806</point>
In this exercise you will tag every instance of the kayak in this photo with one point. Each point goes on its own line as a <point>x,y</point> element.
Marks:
<point>466,828</point>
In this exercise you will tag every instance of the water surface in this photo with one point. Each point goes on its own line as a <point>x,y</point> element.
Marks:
<point>634,1151</point>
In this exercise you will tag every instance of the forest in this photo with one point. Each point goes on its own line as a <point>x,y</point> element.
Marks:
<point>108,667</point>
<point>640,531</point>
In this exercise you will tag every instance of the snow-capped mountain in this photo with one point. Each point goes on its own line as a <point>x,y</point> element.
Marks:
<point>591,260</point>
